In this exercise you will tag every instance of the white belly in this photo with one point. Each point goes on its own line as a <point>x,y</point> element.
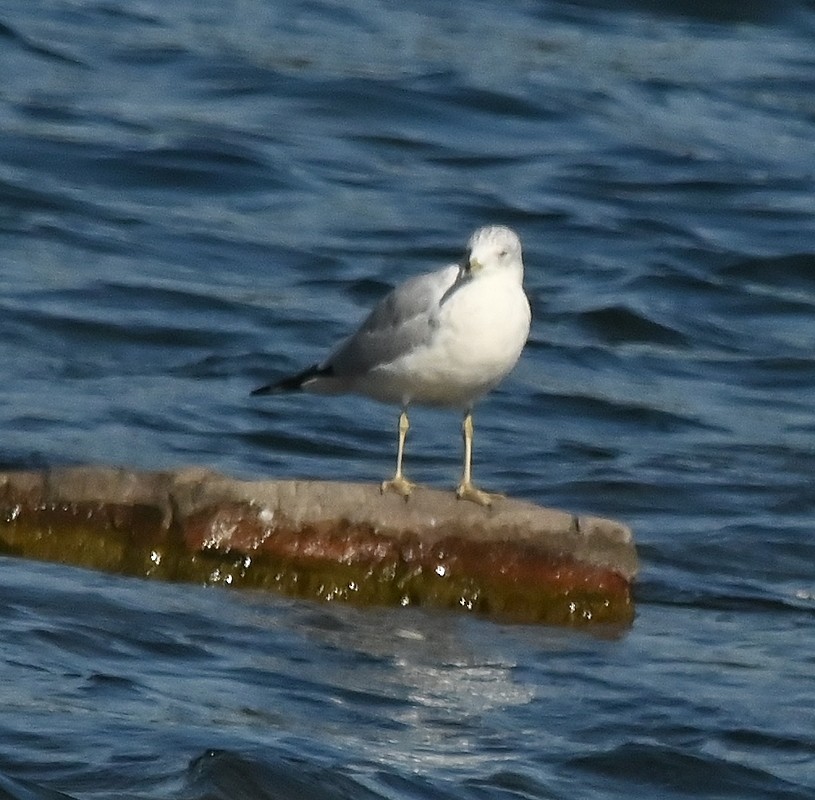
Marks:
<point>479,333</point>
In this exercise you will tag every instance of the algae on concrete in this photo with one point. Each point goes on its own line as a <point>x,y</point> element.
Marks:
<point>329,541</point>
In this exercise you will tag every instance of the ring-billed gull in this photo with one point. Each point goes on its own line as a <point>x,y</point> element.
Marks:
<point>445,338</point>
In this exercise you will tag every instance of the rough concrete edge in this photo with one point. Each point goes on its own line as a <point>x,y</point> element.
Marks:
<point>596,541</point>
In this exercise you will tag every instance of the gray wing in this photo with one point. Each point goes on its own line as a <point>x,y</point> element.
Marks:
<point>402,321</point>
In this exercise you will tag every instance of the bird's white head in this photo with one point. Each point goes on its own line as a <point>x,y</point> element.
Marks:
<point>492,248</point>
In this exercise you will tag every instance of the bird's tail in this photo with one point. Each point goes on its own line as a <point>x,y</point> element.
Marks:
<point>293,383</point>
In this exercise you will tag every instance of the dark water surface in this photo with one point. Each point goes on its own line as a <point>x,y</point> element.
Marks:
<point>198,196</point>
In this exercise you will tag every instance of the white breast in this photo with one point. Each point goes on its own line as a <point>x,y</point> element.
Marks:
<point>480,331</point>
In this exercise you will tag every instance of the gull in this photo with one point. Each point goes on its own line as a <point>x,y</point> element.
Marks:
<point>443,338</point>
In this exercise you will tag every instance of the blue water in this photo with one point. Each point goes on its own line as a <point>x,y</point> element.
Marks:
<point>197,197</point>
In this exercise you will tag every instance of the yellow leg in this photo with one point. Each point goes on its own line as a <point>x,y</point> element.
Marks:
<point>399,483</point>
<point>466,490</point>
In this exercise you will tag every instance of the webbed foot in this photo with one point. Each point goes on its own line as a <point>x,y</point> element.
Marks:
<point>467,491</point>
<point>399,484</point>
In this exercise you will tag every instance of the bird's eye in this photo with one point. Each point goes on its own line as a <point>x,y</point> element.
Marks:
<point>503,253</point>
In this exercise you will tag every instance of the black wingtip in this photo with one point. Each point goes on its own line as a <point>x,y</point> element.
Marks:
<point>270,388</point>
<point>293,383</point>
